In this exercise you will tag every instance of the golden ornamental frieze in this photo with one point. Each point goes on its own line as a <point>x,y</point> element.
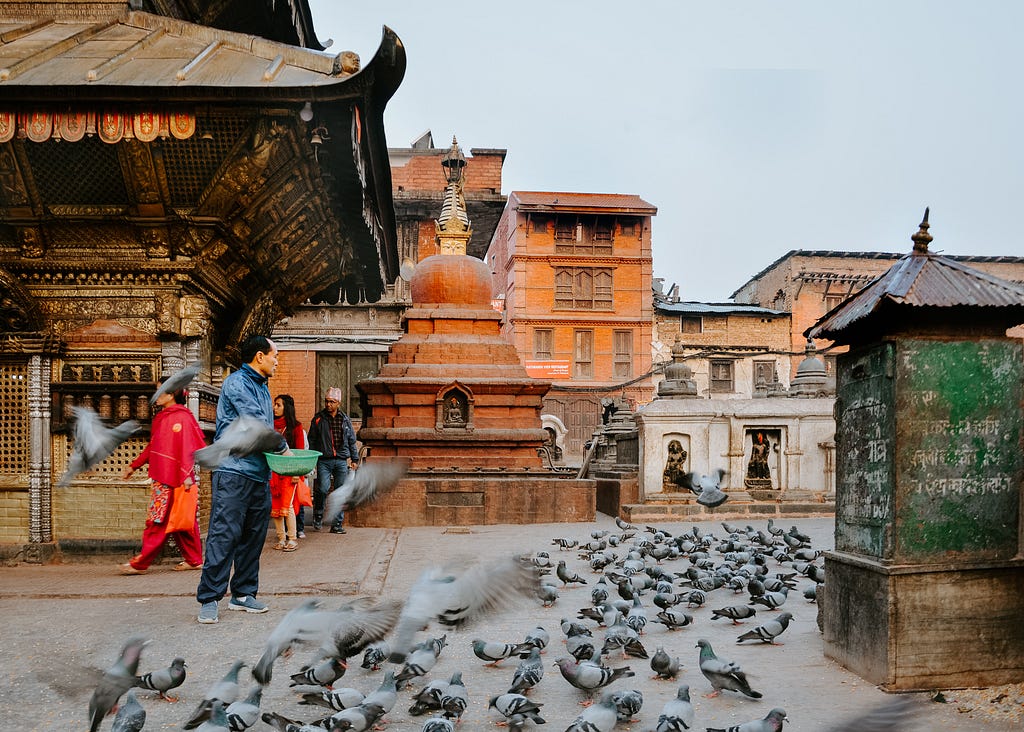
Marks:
<point>83,210</point>
<point>105,368</point>
<point>116,281</point>
<point>89,308</point>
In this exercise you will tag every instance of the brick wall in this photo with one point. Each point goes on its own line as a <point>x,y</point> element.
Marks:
<point>296,375</point>
<point>423,172</point>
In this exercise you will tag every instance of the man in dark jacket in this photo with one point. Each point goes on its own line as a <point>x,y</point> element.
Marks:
<point>331,433</point>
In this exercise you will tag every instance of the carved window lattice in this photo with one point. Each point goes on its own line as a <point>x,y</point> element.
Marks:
<point>82,173</point>
<point>110,469</point>
<point>192,163</point>
<point>13,418</point>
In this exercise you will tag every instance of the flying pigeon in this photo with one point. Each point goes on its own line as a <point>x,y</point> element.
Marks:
<point>130,717</point>
<point>706,487</point>
<point>222,692</point>
<point>245,436</point>
<point>93,442</point>
<point>768,631</point>
<point>115,681</point>
<point>358,624</point>
<point>163,680</point>
<point>723,674</point>
<point>772,723</point>
<point>893,715</point>
<point>369,480</point>
<point>178,380</point>
<point>677,715</point>
<point>305,622</point>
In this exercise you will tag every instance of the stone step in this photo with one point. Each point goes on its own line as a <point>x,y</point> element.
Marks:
<point>690,510</point>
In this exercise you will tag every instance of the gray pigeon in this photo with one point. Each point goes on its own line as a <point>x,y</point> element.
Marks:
<point>244,713</point>
<point>324,673</point>
<point>538,638</point>
<point>706,487</point>
<point>223,692</point>
<point>768,631</point>
<point>663,665</point>
<point>580,647</point>
<point>627,703</point>
<point>130,717</point>
<point>356,719</point>
<point>374,655</point>
<point>438,724</point>
<point>735,613</point>
<point>494,652</point>
<point>599,717</point>
<point>369,480</point>
<point>589,675</point>
<point>672,618</point>
<point>245,436</point>
<point>176,381</point>
<point>512,705</point>
<point>163,680</point>
<point>772,723</point>
<point>455,698</point>
<point>677,715</point>
<point>428,699</point>
<point>893,715</point>
<point>357,624</point>
<point>305,622</point>
<point>771,600</point>
<point>335,699</point>
<point>566,575</point>
<point>529,673</point>
<point>723,674</point>
<point>417,663</point>
<point>94,441</point>
<point>218,719</point>
<point>115,681</point>
<point>547,594</point>
<point>385,695</point>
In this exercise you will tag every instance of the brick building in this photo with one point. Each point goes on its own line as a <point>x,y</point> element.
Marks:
<point>572,273</point>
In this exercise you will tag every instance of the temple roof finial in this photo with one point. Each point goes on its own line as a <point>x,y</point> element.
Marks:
<point>922,238</point>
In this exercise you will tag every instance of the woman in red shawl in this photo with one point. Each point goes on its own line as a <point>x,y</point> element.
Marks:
<point>283,500</point>
<point>175,436</point>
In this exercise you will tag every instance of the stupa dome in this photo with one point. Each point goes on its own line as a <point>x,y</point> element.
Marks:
<point>452,279</point>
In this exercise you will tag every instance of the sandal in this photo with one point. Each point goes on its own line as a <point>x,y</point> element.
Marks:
<point>279,545</point>
<point>127,568</point>
<point>291,546</point>
<point>184,566</point>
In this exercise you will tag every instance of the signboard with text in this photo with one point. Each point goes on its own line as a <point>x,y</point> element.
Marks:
<point>547,369</point>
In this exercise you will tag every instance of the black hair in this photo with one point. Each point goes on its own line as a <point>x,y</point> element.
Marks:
<point>180,396</point>
<point>290,420</point>
<point>253,345</point>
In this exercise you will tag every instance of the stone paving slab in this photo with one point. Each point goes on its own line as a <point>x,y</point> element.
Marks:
<point>59,620</point>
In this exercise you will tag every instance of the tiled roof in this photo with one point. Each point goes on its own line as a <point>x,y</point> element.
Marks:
<point>714,308</point>
<point>585,202</point>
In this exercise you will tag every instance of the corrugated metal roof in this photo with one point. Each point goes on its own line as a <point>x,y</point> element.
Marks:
<point>583,202</point>
<point>921,279</point>
<point>145,50</point>
<point>715,308</point>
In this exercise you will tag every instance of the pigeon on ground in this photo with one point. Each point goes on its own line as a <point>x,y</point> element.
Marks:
<point>673,619</point>
<point>706,487</point>
<point>224,691</point>
<point>115,681</point>
<point>589,675</point>
<point>356,719</point>
<point>620,636</point>
<point>567,576</point>
<point>580,647</point>
<point>538,638</point>
<point>94,441</point>
<point>335,699</point>
<point>324,673</point>
<point>282,724</point>
<point>547,594</point>
<point>375,655</point>
<point>370,480</point>
<point>494,652</point>
<point>565,544</point>
<point>217,721</point>
<point>723,674</point>
<point>772,723</point>
<point>244,713</point>
<point>528,674</point>
<point>177,381</point>
<point>624,525</point>
<point>417,663</point>
<point>130,717</point>
<point>768,631</point>
<point>811,593</point>
<point>735,613</point>
<point>245,436</point>
<point>511,705</point>
<point>677,715</point>
<point>384,695</point>
<point>438,724</point>
<point>627,703</point>
<point>663,665</point>
<point>771,600</point>
<point>428,699</point>
<point>571,627</point>
<point>163,680</point>
<point>455,698</point>
<point>455,596</point>
<point>599,717</point>
<point>305,622</point>
<point>893,715</point>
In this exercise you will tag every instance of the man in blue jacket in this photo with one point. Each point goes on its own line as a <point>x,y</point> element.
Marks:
<point>240,490</point>
<point>331,433</point>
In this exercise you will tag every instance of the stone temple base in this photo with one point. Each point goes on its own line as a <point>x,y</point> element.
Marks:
<point>454,499</point>
<point>911,627</point>
<point>741,504</point>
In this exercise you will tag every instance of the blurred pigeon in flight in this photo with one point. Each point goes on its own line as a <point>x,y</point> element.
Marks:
<point>93,442</point>
<point>245,436</point>
<point>115,681</point>
<point>364,484</point>
<point>893,715</point>
<point>176,381</point>
<point>706,487</point>
<point>305,622</point>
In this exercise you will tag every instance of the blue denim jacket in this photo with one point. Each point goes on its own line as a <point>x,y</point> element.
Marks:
<point>245,392</point>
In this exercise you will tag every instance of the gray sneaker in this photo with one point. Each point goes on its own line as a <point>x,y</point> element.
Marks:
<point>208,612</point>
<point>248,603</point>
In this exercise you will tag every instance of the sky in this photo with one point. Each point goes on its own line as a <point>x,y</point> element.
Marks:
<point>755,126</point>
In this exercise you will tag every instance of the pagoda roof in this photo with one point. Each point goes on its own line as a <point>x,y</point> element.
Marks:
<point>583,202</point>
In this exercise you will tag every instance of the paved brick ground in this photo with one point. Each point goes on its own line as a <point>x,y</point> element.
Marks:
<point>59,620</point>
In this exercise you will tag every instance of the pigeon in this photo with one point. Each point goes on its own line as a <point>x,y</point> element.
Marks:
<point>224,691</point>
<point>385,695</point>
<point>244,713</point>
<point>894,715</point>
<point>357,624</point>
<point>706,487</point>
<point>600,717</point>
<point>455,596</point>
<point>375,655</point>
<point>417,663</point>
<point>772,723</point>
<point>599,593</point>
<point>589,675</point>
<point>771,600</point>
<point>528,674</point>
<point>428,699</point>
<point>336,699</point>
<point>620,635</point>
<point>455,698</point>
<point>627,704</point>
<point>580,647</point>
<point>811,593</point>
<point>511,705</point>
<point>245,436</point>
<point>283,724</point>
<point>163,680</point>
<point>356,719</point>
<point>177,381</point>
<point>324,673</point>
<point>674,619</point>
<point>370,480</point>
<point>723,674</point>
<point>217,721</point>
<point>303,622</point>
<point>93,442</point>
<point>571,628</point>
<point>663,665</point>
<point>115,681</point>
<point>547,594</point>
<point>494,653</point>
<point>565,544</point>
<point>735,613</point>
<point>538,638</point>
<point>130,717</point>
<point>624,525</point>
<point>677,715</point>
<point>769,631</point>
<point>567,576</point>
<point>438,724</point>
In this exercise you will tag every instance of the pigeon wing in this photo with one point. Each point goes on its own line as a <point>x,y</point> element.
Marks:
<point>178,380</point>
<point>366,484</point>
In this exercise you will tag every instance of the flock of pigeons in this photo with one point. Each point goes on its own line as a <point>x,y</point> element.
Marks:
<point>626,598</point>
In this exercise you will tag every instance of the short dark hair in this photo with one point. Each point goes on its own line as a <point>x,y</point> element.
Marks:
<point>253,345</point>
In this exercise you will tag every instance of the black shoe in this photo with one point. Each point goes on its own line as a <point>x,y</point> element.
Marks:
<point>317,525</point>
<point>338,530</point>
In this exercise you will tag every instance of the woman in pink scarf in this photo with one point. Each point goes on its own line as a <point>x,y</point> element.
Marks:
<point>175,436</point>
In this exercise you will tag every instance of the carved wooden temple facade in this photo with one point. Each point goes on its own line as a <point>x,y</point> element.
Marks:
<point>174,176</point>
